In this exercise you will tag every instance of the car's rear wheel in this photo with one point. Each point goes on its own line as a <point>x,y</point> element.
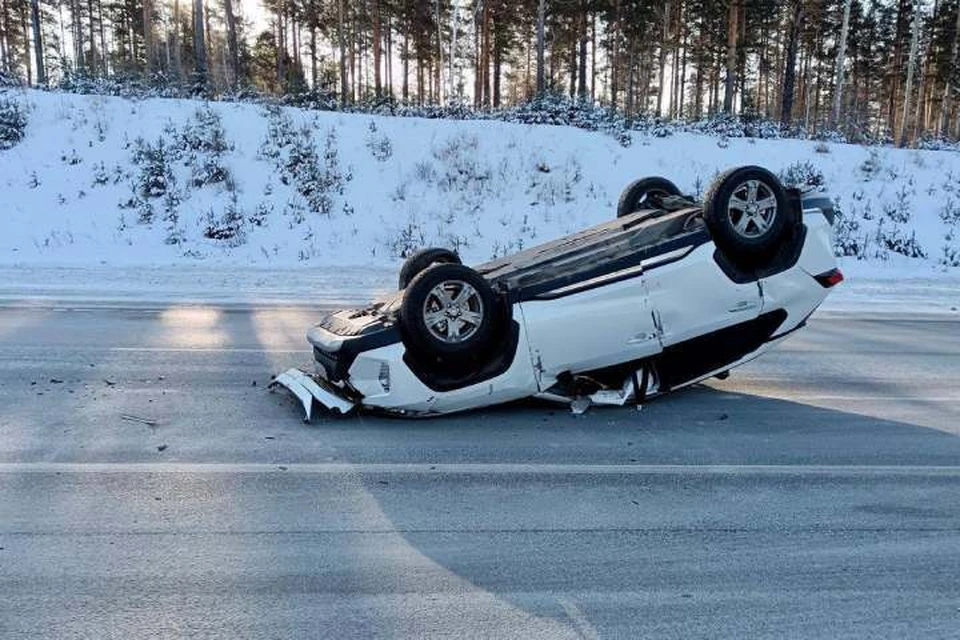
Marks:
<point>748,214</point>
<point>645,193</point>
<point>422,259</point>
<point>450,314</point>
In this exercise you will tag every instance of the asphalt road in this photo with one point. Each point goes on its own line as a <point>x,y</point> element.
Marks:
<point>814,494</point>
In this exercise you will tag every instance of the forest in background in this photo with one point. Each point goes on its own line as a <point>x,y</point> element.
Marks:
<point>880,70</point>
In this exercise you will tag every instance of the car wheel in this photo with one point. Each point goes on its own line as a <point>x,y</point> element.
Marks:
<point>748,214</point>
<point>450,313</point>
<point>422,259</point>
<point>645,193</point>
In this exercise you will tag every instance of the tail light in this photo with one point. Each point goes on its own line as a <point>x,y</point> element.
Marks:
<point>830,278</point>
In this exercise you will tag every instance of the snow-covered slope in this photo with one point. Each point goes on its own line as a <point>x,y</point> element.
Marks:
<point>293,187</point>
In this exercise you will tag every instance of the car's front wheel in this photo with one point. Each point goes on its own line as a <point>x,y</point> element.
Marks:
<point>748,214</point>
<point>451,314</point>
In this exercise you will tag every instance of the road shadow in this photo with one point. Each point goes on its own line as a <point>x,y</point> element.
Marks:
<point>700,425</point>
<point>681,553</point>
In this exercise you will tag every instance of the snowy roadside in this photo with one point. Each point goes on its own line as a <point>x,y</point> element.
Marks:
<point>101,180</point>
<point>867,289</point>
<point>181,284</point>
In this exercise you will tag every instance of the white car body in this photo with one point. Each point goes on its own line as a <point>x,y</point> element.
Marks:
<point>670,318</point>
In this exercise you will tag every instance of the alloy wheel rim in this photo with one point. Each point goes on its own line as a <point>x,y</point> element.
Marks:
<point>752,208</point>
<point>453,311</point>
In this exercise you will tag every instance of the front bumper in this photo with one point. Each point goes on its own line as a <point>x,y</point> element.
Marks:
<point>307,388</point>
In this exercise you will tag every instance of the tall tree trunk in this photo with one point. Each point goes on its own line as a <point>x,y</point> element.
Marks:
<point>740,87</point>
<point>675,81</point>
<point>541,20</point>
<point>812,100</point>
<point>313,56</point>
<point>789,76</point>
<point>763,71</point>
<point>497,63</point>
<point>121,38</point>
<point>529,80</point>
<point>582,62</point>
<point>662,59</point>
<point>37,40</point>
<point>700,65</point>
<point>615,55</point>
<point>342,42</point>
<point>405,55</point>
<point>76,34</point>
<point>375,17</point>
<point>25,36</point>
<point>208,38</point>
<point>93,38</point>
<point>644,84</point>
<point>911,65</point>
<point>731,81</point>
<point>919,120</point>
<point>148,46</point>
<point>485,57</point>
<point>103,37</point>
<point>199,44</point>
<point>953,72</point>
<point>681,88</point>
<point>593,58</point>
<point>838,69</point>
<point>454,34</point>
<point>893,85</point>
<point>359,50</point>
<point>420,79</point>
<point>232,48</point>
<point>477,54</point>
<point>4,52</point>
<point>388,58</point>
<point>438,67</point>
<point>297,65</point>
<point>294,40</point>
<point>281,45</point>
<point>177,46</point>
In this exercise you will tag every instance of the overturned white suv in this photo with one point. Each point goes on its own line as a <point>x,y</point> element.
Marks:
<point>671,292</point>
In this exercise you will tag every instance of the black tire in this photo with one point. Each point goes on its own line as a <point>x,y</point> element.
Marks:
<point>748,214</point>
<point>463,332</point>
<point>645,193</point>
<point>423,259</point>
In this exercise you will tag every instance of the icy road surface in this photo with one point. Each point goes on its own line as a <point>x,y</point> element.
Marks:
<point>151,487</point>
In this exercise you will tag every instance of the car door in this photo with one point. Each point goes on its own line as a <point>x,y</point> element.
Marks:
<point>692,296</point>
<point>591,325</point>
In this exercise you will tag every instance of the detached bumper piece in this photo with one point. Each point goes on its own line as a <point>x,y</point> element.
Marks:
<point>308,388</point>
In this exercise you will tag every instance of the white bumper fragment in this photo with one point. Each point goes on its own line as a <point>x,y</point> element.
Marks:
<point>309,388</point>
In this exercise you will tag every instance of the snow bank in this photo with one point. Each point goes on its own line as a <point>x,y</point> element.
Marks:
<point>117,182</point>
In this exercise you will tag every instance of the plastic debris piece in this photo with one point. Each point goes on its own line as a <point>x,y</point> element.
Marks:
<point>579,406</point>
